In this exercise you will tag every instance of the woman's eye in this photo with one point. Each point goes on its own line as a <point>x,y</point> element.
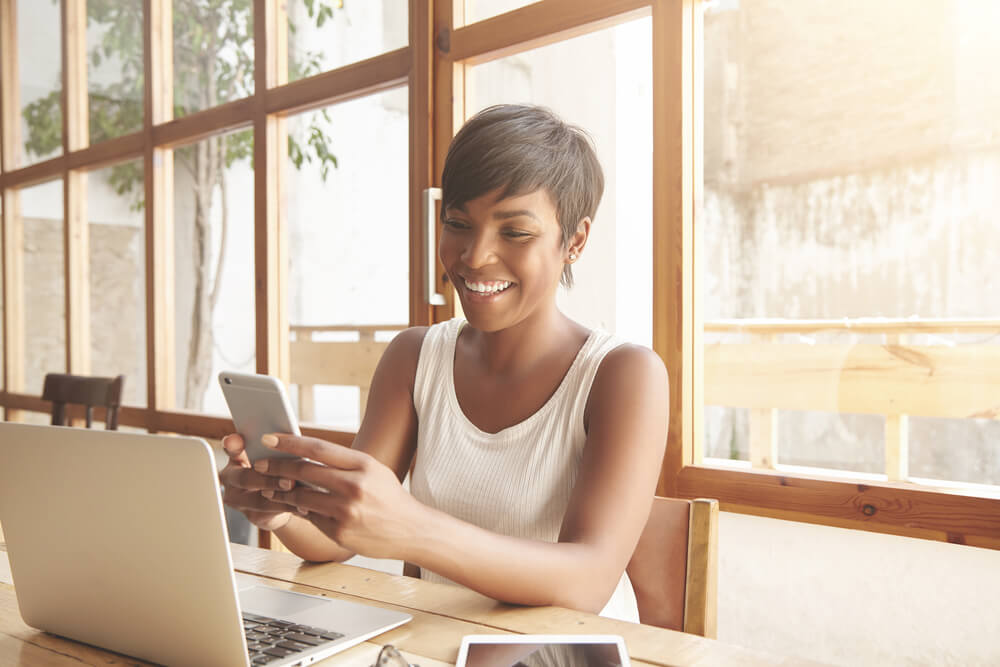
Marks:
<point>515,234</point>
<point>455,224</point>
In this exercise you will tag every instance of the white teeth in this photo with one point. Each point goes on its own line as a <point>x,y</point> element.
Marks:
<point>487,288</point>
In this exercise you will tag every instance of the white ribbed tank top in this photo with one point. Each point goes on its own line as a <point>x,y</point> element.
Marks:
<point>518,481</point>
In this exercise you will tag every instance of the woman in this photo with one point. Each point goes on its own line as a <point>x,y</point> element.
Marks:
<point>536,443</point>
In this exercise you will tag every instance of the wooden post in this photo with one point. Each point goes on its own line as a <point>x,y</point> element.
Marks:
<point>366,337</point>
<point>12,223</point>
<point>674,318</point>
<point>764,430</point>
<point>158,175</point>
<point>701,595</point>
<point>76,232</point>
<point>897,433</point>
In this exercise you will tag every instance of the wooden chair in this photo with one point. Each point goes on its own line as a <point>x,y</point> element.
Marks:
<point>61,389</point>
<point>674,569</point>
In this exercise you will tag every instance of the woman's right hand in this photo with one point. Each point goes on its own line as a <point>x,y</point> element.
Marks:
<point>242,486</point>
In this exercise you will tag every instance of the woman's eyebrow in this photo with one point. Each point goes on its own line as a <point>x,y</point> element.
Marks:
<point>503,215</point>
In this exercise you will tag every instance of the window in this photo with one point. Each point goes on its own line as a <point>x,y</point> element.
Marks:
<point>849,209</point>
<point>348,253</point>
<point>614,278</point>
<point>775,170</point>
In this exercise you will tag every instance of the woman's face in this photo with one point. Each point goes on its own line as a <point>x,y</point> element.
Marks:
<point>504,257</point>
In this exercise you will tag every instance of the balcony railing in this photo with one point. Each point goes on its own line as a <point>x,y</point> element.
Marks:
<point>901,368</point>
<point>895,368</point>
<point>316,362</point>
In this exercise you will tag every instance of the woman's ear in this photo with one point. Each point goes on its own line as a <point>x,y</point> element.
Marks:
<point>579,239</point>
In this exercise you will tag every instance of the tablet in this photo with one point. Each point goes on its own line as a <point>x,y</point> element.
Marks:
<point>542,651</point>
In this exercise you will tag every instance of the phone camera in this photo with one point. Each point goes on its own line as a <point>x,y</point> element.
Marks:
<point>228,380</point>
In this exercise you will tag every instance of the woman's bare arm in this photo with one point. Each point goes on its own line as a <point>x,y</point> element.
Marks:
<point>367,511</point>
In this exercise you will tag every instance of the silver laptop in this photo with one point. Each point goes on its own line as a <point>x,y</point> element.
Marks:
<point>118,540</point>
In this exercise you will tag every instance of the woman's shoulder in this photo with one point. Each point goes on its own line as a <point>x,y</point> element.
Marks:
<point>626,370</point>
<point>406,344</point>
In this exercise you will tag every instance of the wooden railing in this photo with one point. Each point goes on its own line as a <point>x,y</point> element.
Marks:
<point>885,374</point>
<point>342,363</point>
<point>889,377</point>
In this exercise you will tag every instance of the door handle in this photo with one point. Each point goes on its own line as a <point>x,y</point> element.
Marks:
<point>431,294</point>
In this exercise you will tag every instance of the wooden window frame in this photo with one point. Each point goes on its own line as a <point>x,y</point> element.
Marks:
<point>433,65</point>
<point>264,111</point>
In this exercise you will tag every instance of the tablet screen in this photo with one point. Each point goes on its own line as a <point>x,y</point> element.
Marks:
<point>542,651</point>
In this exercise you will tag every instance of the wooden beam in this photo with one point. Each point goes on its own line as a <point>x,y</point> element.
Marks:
<point>537,25</point>
<point>10,92</point>
<point>421,104</point>
<point>270,150</point>
<point>858,326</point>
<point>11,222</point>
<point>76,233</point>
<point>76,132</point>
<point>158,174</point>
<point>13,294</point>
<point>907,509</point>
<point>921,380</point>
<point>382,72</point>
<point>673,225</point>
<point>106,153</point>
<point>206,123</point>
<point>76,272</point>
<point>449,104</point>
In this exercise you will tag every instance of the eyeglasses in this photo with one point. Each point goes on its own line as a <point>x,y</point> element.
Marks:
<point>390,657</point>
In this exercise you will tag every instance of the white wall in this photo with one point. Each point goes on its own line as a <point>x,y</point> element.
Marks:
<point>851,597</point>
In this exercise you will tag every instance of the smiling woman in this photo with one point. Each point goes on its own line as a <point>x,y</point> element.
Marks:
<point>535,442</point>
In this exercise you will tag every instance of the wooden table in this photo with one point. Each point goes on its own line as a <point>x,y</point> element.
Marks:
<point>442,614</point>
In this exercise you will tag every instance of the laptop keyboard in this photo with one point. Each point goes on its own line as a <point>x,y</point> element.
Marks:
<point>271,639</point>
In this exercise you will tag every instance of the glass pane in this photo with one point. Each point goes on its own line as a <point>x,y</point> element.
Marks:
<point>327,34</point>
<point>44,285</point>
<point>118,277</point>
<point>850,168</point>
<point>114,69</point>
<point>348,251</point>
<point>39,64</point>
<point>614,276</point>
<point>477,10</point>
<point>213,53</point>
<point>214,267</point>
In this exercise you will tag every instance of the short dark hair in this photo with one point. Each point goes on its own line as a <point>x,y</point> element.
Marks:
<point>522,148</point>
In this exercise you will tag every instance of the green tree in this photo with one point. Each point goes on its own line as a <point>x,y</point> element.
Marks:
<point>213,63</point>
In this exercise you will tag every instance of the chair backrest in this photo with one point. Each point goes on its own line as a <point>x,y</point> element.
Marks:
<point>674,569</point>
<point>62,389</point>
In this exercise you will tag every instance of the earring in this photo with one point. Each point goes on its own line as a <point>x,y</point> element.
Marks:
<point>572,257</point>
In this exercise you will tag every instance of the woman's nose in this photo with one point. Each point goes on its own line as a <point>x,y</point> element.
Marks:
<point>478,252</point>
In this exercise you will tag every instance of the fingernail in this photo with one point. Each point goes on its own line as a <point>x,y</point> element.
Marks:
<point>267,493</point>
<point>285,484</point>
<point>269,440</point>
<point>260,466</point>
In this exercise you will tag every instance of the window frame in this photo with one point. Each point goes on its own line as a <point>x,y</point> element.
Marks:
<point>433,67</point>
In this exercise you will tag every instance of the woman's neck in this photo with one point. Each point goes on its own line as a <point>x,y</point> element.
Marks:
<point>517,349</point>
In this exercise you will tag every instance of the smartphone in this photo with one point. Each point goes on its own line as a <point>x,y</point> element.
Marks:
<point>259,405</point>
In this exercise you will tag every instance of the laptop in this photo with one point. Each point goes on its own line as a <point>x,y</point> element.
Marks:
<point>119,540</point>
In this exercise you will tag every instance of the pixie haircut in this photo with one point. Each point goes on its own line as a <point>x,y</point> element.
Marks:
<point>520,149</point>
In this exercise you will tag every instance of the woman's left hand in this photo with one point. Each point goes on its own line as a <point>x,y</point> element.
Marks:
<point>359,502</point>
